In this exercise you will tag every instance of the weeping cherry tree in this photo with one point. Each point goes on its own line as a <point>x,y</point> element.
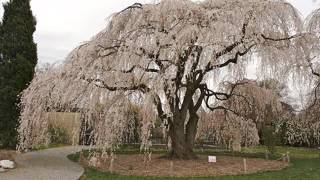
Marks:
<point>165,57</point>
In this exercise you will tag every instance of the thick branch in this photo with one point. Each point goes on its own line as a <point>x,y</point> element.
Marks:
<point>161,113</point>
<point>235,59</point>
<point>280,39</point>
<point>226,96</point>
<point>101,84</point>
<point>151,70</point>
<point>220,95</point>
<point>200,100</point>
<point>231,47</point>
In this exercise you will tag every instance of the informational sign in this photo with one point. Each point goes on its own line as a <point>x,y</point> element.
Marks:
<point>212,159</point>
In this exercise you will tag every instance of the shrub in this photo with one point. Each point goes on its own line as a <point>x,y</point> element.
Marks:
<point>58,135</point>
<point>270,138</point>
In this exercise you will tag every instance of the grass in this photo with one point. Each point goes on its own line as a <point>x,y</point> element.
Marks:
<point>305,166</point>
<point>44,147</point>
<point>298,153</point>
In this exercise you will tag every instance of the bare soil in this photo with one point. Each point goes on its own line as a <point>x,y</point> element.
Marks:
<point>133,165</point>
<point>7,155</point>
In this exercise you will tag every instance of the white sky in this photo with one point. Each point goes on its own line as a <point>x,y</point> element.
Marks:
<point>64,24</point>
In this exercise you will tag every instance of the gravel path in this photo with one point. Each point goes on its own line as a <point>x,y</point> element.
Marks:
<point>51,164</point>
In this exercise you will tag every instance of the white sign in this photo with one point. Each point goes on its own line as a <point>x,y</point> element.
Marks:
<point>212,159</point>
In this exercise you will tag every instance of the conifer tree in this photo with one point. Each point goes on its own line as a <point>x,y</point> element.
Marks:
<point>18,58</point>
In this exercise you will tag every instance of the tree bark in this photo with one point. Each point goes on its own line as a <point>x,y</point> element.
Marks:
<point>183,138</point>
<point>191,131</point>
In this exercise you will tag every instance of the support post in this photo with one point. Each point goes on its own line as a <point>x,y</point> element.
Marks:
<point>267,155</point>
<point>245,165</point>
<point>171,168</point>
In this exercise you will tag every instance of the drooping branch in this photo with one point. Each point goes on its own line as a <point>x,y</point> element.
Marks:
<point>221,95</point>
<point>101,84</point>
<point>111,50</point>
<point>157,102</point>
<point>231,47</point>
<point>233,60</point>
<point>315,96</point>
<point>224,108</point>
<point>134,6</point>
<point>313,71</point>
<point>280,39</point>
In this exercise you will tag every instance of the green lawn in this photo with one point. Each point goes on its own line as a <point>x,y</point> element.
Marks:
<point>305,165</point>
<point>50,146</point>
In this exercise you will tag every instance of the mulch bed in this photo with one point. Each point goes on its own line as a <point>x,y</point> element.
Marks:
<point>133,165</point>
<point>7,155</point>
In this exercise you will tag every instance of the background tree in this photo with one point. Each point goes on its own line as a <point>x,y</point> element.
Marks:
<point>165,55</point>
<point>254,107</point>
<point>18,58</point>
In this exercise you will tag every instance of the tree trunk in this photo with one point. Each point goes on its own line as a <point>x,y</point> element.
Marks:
<point>183,139</point>
<point>191,131</point>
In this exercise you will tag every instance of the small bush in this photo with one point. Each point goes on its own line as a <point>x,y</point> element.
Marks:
<point>270,139</point>
<point>58,135</point>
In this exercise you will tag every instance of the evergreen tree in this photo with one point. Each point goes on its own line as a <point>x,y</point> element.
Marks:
<point>18,58</point>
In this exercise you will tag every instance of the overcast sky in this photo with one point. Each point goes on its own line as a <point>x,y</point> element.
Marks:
<point>64,24</point>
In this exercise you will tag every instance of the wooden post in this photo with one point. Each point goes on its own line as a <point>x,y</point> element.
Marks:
<point>288,157</point>
<point>150,156</point>
<point>111,163</point>
<point>171,168</point>
<point>145,158</point>
<point>245,165</point>
<point>284,157</point>
<point>81,156</point>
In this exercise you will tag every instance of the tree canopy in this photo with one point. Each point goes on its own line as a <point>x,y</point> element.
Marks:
<point>165,58</point>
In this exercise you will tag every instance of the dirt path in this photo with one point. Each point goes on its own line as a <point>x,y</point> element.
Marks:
<point>51,164</point>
